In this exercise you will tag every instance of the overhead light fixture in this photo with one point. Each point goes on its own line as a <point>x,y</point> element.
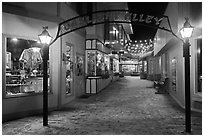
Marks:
<point>14,39</point>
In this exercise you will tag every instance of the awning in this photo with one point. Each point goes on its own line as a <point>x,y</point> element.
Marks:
<point>144,56</point>
<point>171,43</point>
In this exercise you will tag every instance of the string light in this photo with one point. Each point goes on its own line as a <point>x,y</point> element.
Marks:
<point>140,48</point>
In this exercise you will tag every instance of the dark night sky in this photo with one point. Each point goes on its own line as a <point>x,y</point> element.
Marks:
<point>150,8</point>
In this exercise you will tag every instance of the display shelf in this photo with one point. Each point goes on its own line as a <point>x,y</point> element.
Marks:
<point>14,85</point>
<point>13,75</point>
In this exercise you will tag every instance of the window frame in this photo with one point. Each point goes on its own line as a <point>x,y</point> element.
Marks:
<point>196,66</point>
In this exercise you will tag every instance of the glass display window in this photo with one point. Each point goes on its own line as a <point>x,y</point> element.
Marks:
<point>97,61</point>
<point>129,68</point>
<point>24,70</point>
<point>198,66</point>
<point>88,44</point>
<point>145,66</point>
<point>111,65</point>
<point>174,73</point>
<point>100,67</point>
<point>107,64</point>
<point>67,58</point>
<point>115,65</point>
<point>91,63</point>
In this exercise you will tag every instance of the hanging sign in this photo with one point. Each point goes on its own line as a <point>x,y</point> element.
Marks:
<point>110,16</point>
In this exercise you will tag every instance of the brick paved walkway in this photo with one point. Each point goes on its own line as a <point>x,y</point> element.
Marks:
<point>126,107</point>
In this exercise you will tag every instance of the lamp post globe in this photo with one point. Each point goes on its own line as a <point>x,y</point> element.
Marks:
<point>45,39</point>
<point>187,30</point>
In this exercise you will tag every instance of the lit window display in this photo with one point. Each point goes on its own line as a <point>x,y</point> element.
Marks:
<point>151,67</point>
<point>145,66</point>
<point>68,67</point>
<point>199,66</point>
<point>129,68</point>
<point>115,66</point>
<point>97,61</point>
<point>91,65</point>
<point>23,62</point>
<point>174,73</point>
<point>107,64</point>
<point>97,64</point>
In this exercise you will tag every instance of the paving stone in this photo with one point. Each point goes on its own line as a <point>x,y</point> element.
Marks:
<point>128,106</point>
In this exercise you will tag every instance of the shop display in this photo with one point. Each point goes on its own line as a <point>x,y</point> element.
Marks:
<point>115,66</point>
<point>24,74</point>
<point>79,66</point>
<point>174,74</point>
<point>91,63</point>
<point>97,64</point>
<point>68,77</point>
<point>97,61</point>
<point>106,65</point>
<point>31,58</point>
<point>68,68</point>
<point>145,66</point>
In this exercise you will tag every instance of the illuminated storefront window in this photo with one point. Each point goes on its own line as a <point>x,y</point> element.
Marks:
<point>199,66</point>
<point>115,66</point>
<point>174,73</point>
<point>67,58</point>
<point>97,62</point>
<point>151,67</point>
<point>23,62</point>
<point>145,66</point>
<point>91,65</point>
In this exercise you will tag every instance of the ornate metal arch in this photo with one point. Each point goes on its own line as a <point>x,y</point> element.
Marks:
<point>111,16</point>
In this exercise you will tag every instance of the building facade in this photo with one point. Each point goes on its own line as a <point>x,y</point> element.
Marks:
<point>67,66</point>
<point>169,52</point>
<point>22,69</point>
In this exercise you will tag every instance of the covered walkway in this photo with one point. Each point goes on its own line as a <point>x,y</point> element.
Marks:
<point>128,106</point>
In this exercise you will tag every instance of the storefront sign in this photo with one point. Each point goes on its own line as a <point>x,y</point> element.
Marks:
<point>112,16</point>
